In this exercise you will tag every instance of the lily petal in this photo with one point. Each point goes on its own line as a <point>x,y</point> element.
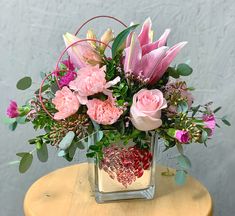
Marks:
<point>133,55</point>
<point>145,34</point>
<point>170,55</point>
<point>162,40</point>
<point>151,61</point>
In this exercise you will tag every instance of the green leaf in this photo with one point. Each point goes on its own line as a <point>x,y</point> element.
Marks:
<point>90,154</point>
<point>72,150</point>
<point>25,162</point>
<point>121,37</point>
<point>172,72</point>
<point>225,121</point>
<point>217,125</point>
<point>195,109</point>
<point>179,148</point>
<point>67,140</point>
<point>182,107</point>
<point>81,145</point>
<point>7,120</point>
<point>217,109</point>
<point>180,177</point>
<point>184,162</point>
<point>21,154</point>
<point>94,147</point>
<point>44,88</point>
<point>61,153</point>
<point>13,126</point>
<point>198,122</point>
<point>21,119</point>
<point>184,69</point>
<point>171,132</point>
<point>42,153</point>
<point>204,136</point>
<point>24,83</point>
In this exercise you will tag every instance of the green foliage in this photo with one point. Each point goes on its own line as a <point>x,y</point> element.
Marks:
<point>67,140</point>
<point>42,153</point>
<point>225,121</point>
<point>24,83</point>
<point>119,40</point>
<point>7,120</point>
<point>184,69</point>
<point>184,162</point>
<point>25,162</point>
<point>182,107</point>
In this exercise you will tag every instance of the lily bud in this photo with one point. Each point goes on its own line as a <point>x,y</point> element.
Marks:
<point>106,38</point>
<point>81,54</point>
<point>91,35</point>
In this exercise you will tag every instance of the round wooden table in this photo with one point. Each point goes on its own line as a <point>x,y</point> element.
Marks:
<point>66,192</point>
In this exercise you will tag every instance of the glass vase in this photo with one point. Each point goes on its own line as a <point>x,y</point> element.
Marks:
<point>125,172</point>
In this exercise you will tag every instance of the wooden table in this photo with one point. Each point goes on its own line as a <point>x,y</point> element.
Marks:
<point>66,192</point>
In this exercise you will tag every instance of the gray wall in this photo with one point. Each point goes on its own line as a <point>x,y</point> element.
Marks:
<point>30,41</point>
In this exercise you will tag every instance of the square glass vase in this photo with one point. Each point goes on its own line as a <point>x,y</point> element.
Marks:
<point>125,172</point>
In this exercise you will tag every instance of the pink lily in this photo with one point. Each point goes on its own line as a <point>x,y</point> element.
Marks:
<point>82,53</point>
<point>147,59</point>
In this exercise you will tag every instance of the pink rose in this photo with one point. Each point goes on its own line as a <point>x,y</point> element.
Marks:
<point>182,136</point>
<point>146,109</point>
<point>66,103</point>
<point>210,122</point>
<point>103,112</point>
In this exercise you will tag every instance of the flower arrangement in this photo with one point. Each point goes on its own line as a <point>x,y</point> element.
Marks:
<point>122,96</point>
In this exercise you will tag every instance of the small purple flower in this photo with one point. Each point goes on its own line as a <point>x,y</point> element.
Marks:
<point>210,122</point>
<point>12,110</point>
<point>182,136</point>
<point>67,78</point>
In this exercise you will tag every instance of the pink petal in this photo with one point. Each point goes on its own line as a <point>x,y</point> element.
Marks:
<point>170,55</point>
<point>162,40</point>
<point>133,56</point>
<point>151,61</point>
<point>144,36</point>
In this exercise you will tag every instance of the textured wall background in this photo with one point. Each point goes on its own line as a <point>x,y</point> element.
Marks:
<point>30,41</point>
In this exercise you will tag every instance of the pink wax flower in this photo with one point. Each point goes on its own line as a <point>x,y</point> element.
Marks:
<point>175,90</point>
<point>82,53</point>
<point>146,109</point>
<point>91,80</point>
<point>103,112</point>
<point>182,136</point>
<point>12,110</point>
<point>67,78</point>
<point>210,122</point>
<point>147,59</point>
<point>66,103</point>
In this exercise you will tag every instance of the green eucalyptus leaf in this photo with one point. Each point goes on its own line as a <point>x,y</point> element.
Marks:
<point>180,177</point>
<point>61,153</point>
<point>225,121</point>
<point>42,153</point>
<point>121,37</point>
<point>7,120</point>
<point>184,162</point>
<point>44,88</point>
<point>184,69</point>
<point>21,154</point>
<point>67,140</point>
<point>182,107</point>
<point>21,119</point>
<point>204,136</point>
<point>81,145</point>
<point>72,150</point>
<point>24,83</point>
<point>217,109</point>
<point>25,162</point>
<point>173,73</point>
<point>90,154</point>
<point>13,126</point>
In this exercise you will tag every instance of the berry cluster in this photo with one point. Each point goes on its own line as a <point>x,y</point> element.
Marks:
<point>125,164</point>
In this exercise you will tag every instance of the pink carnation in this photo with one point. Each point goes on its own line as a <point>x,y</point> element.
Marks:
<point>12,110</point>
<point>90,80</point>
<point>182,136</point>
<point>66,103</point>
<point>210,122</point>
<point>67,78</point>
<point>103,112</point>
